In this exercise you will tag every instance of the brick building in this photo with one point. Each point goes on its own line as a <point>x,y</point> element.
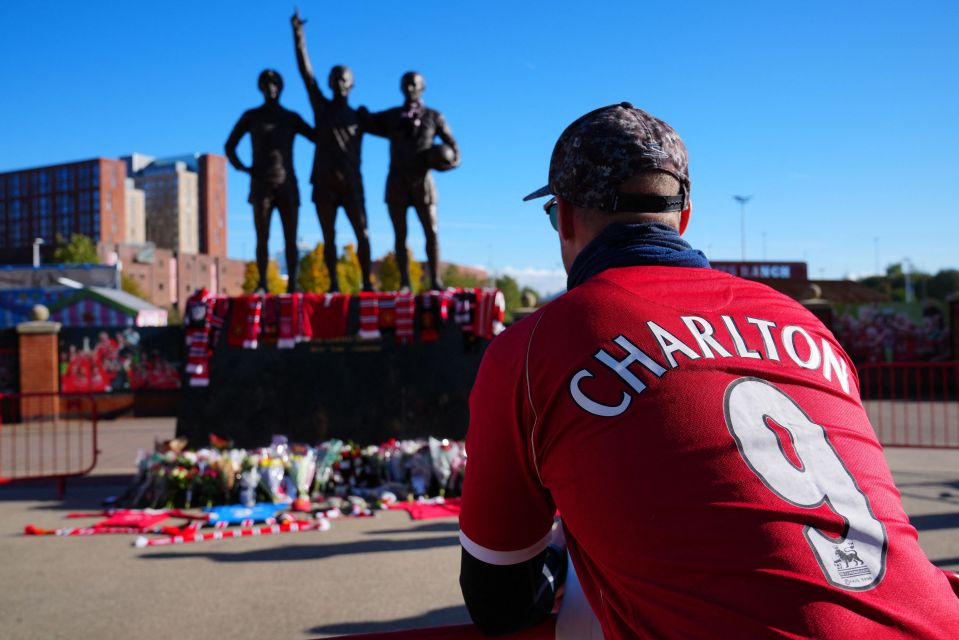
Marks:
<point>177,203</point>
<point>87,197</point>
<point>168,278</point>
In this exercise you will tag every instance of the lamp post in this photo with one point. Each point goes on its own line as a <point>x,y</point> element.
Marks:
<point>36,251</point>
<point>742,200</point>
<point>907,275</point>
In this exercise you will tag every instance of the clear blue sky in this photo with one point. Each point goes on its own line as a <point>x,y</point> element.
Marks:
<point>841,119</point>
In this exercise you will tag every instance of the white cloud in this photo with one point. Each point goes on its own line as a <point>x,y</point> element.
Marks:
<point>545,281</point>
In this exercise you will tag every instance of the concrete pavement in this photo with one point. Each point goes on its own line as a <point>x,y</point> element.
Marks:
<point>363,575</point>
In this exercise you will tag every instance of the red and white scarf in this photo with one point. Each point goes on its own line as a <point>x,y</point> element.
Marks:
<point>369,316</point>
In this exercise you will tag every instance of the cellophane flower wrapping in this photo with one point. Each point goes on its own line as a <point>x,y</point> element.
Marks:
<point>249,480</point>
<point>327,454</point>
<point>272,472</point>
<point>444,454</point>
<point>302,468</point>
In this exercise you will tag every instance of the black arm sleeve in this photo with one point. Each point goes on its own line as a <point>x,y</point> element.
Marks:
<point>509,598</point>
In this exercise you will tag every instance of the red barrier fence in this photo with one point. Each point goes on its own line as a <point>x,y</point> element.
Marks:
<point>47,435</point>
<point>913,404</point>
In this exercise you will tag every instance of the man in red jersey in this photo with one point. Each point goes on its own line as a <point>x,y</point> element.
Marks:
<point>701,435</point>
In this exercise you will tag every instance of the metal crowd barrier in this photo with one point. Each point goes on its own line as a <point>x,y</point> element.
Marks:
<point>47,435</point>
<point>912,404</point>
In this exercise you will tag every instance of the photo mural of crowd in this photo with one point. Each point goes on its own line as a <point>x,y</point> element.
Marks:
<point>120,359</point>
<point>893,332</point>
<point>913,326</point>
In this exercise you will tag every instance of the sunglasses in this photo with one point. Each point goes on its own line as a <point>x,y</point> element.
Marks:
<point>551,208</point>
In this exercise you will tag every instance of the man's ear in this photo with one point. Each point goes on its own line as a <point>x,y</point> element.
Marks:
<point>567,226</point>
<point>684,217</point>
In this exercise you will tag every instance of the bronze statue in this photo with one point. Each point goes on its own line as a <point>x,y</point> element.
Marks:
<point>412,130</point>
<point>272,129</point>
<point>336,175</point>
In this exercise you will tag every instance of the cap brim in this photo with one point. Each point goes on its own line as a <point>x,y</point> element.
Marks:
<point>539,193</point>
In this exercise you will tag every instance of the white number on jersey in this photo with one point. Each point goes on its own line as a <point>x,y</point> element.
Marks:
<point>857,560</point>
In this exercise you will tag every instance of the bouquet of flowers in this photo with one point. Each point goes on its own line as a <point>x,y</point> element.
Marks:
<point>421,471</point>
<point>249,479</point>
<point>272,472</point>
<point>301,470</point>
<point>327,454</point>
<point>444,454</point>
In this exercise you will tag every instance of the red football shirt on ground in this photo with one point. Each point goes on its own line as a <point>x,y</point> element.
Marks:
<point>716,472</point>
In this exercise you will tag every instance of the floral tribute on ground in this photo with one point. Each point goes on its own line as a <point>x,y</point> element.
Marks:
<point>278,489</point>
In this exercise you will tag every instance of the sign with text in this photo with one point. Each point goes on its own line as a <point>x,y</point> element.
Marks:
<point>764,270</point>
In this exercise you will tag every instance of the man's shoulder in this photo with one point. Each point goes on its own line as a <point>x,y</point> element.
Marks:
<point>690,290</point>
<point>512,344</point>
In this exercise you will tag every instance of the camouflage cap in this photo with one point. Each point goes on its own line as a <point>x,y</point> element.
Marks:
<point>604,148</point>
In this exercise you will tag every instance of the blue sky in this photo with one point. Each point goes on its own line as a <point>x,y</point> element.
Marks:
<point>840,119</point>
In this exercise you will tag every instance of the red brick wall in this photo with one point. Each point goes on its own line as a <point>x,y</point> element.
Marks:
<point>113,204</point>
<point>212,205</point>
<point>39,372</point>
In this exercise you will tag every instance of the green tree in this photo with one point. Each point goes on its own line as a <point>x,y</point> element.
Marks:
<point>274,281</point>
<point>944,283</point>
<point>348,270</point>
<point>389,273</point>
<point>510,289</point>
<point>313,276</point>
<point>173,316</point>
<point>453,277</point>
<point>893,284</point>
<point>79,249</point>
<point>129,284</point>
<point>527,295</point>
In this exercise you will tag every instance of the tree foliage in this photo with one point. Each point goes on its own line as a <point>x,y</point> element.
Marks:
<point>348,270</point>
<point>510,289</point>
<point>79,249</point>
<point>453,277</point>
<point>129,284</point>
<point>312,275</point>
<point>389,273</point>
<point>893,284</point>
<point>944,284</point>
<point>529,297</point>
<point>274,281</point>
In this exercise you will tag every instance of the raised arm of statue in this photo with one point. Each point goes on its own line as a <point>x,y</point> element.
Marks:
<point>303,61</point>
<point>240,129</point>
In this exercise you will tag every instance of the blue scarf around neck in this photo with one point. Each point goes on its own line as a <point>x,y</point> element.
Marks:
<point>651,244</point>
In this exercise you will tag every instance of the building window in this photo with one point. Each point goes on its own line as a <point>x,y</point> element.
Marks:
<point>14,186</point>
<point>3,188</point>
<point>83,176</point>
<point>43,178</point>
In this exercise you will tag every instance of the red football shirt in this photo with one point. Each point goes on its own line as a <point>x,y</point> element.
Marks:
<point>717,475</point>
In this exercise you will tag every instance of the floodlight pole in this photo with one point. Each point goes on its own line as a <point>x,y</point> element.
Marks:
<point>36,251</point>
<point>907,275</point>
<point>742,200</point>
